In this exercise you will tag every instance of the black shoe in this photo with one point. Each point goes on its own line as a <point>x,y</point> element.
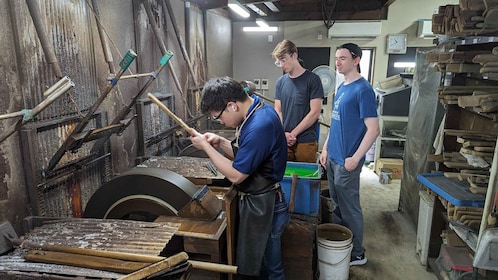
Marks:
<point>358,260</point>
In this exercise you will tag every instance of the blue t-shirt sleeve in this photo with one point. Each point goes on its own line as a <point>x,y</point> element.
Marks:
<point>368,104</point>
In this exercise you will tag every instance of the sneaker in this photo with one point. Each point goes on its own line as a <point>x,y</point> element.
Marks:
<point>358,260</point>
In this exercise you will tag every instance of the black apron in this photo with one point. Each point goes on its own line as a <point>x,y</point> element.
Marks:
<point>256,204</point>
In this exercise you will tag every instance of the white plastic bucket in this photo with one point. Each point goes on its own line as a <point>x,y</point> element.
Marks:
<point>335,243</point>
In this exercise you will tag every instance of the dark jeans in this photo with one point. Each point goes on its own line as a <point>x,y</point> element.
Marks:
<point>272,268</point>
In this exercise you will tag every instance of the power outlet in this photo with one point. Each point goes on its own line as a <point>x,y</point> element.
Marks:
<point>257,82</point>
<point>264,83</point>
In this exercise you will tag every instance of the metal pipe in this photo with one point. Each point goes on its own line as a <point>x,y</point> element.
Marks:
<point>49,91</point>
<point>187,13</point>
<point>48,49</point>
<point>155,30</point>
<point>103,39</point>
<point>35,111</point>
<point>180,41</point>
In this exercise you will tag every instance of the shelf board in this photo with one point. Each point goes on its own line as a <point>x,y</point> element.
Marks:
<point>383,138</point>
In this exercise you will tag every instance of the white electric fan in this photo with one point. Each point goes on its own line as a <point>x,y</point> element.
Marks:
<point>327,76</point>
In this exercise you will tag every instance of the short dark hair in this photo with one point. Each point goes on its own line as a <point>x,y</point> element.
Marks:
<point>217,92</point>
<point>354,50</point>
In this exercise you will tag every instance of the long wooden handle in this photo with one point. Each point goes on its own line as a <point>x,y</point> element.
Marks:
<point>216,267</point>
<point>171,114</point>
<point>293,193</point>
<point>165,264</point>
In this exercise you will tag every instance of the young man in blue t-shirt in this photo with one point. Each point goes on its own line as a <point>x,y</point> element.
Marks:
<point>353,129</point>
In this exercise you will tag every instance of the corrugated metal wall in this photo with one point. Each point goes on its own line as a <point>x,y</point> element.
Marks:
<point>72,31</point>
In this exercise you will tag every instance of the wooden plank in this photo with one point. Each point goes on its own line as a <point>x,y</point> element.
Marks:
<point>101,263</point>
<point>489,106</point>
<point>477,143</point>
<point>475,153</point>
<point>486,135</point>
<point>473,100</point>
<point>196,228</point>
<point>484,149</point>
<point>434,158</point>
<point>161,266</point>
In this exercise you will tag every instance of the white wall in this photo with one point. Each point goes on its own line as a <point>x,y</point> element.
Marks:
<point>252,52</point>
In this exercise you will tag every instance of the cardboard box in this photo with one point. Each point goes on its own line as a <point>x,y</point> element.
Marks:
<point>396,165</point>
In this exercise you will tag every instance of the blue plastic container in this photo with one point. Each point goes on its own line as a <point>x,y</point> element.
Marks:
<point>307,198</point>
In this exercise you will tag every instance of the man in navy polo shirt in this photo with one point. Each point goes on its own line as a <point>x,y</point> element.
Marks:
<point>259,154</point>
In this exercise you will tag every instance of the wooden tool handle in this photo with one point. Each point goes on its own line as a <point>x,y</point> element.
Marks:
<point>171,114</point>
<point>293,193</point>
<point>216,267</point>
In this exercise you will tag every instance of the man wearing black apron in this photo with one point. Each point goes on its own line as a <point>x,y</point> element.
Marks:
<point>259,154</point>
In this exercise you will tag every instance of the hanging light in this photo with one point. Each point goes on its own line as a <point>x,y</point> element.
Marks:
<point>238,8</point>
<point>262,23</point>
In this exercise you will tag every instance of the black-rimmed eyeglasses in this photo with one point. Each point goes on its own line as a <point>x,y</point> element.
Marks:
<point>217,118</point>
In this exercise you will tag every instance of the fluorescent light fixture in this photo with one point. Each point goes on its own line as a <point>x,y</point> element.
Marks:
<point>271,6</point>
<point>257,10</point>
<point>238,8</point>
<point>262,23</point>
<point>404,64</point>
<point>260,29</point>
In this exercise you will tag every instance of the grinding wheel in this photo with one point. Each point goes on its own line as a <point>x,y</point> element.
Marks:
<point>141,194</point>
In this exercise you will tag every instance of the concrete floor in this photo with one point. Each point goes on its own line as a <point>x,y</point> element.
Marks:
<point>389,237</point>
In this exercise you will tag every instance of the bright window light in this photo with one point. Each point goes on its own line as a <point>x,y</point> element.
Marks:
<point>404,64</point>
<point>260,29</point>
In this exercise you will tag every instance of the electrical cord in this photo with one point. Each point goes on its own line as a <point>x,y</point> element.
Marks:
<point>327,16</point>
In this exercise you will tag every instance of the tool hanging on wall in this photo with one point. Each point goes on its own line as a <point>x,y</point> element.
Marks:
<point>126,110</point>
<point>103,39</point>
<point>162,46</point>
<point>167,4</point>
<point>69,141</point>
<point>48,49</point>
<point>52,94</point>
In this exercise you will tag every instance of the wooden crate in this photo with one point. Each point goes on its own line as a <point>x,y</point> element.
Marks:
<point>299,248</point>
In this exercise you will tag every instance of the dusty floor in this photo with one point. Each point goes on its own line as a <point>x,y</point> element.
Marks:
<point>389,237</point>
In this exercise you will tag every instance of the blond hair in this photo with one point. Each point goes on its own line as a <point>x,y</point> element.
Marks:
<point>282,48</point>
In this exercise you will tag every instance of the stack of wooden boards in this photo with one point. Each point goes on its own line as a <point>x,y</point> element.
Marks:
<point>479,147</point>
<point>481,98</point>
<point>469,17</point>
<point>92,248</point>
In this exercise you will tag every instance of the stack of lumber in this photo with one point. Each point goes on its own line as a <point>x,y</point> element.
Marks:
<point>452,94</point>
<point>469,216</point>
<point>479,146</point>
<point>93,248</point>
<point>469,17</point>
<point>456,61</point>
<point>482,99</point>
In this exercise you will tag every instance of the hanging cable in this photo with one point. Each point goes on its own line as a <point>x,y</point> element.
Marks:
<point>327,16</point>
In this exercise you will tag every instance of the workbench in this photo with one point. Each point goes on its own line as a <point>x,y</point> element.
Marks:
<point>199,171</point>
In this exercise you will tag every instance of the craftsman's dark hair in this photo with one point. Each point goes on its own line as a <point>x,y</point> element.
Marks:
<point>217,92</point>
